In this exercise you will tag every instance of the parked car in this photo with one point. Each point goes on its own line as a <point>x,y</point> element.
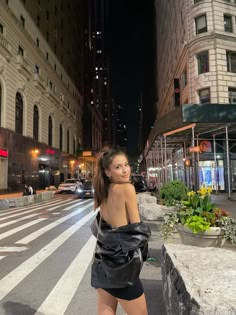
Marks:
<point>71,185</point>
<point>86,189</point>
<point>139,183</point>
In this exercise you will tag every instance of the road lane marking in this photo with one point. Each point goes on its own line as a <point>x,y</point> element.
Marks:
<point>29,238</point>
<point>60,297</point>
<point>13,278</point>
<point>12,249</point>
<point>31,215</point>
<point>69,208</point>
<point>28,211</point>
<point>20,228</point>
<point>31,207</point>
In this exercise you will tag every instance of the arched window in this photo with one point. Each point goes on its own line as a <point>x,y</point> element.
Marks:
<point>68,141</point>
<point>50,131</point>
<point>36,123</point>
<point>19,114</point>
<point>61,137</point>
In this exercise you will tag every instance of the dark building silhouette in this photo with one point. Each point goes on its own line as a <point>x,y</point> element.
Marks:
<point>97,92</point>
<point>120,127</point>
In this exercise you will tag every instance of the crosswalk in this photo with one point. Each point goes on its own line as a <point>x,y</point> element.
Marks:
<point>45,255</point>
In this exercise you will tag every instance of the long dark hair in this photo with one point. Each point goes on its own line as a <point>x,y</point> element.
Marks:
<point>101,182</point>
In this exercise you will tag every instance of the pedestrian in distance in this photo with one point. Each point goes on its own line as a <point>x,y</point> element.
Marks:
<point>31,191</point>
<point>122,238</point>
<point>26,191</point>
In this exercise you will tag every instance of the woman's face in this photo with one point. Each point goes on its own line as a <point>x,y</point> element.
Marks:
<point>119,170</point>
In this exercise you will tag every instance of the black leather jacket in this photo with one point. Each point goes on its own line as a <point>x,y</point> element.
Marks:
<point>119,253</point>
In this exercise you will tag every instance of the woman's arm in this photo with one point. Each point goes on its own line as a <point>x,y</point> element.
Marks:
<point>131,203</point>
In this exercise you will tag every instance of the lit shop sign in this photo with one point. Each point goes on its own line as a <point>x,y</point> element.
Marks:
<point>87,153</point>
<point>50,152</point>
<point>3,153</point>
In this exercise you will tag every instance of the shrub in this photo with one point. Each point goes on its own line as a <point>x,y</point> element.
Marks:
<point>173,191</point>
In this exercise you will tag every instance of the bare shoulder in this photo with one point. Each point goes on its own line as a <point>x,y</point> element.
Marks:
<point>125,190</point>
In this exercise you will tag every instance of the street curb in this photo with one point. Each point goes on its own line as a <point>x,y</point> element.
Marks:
<point>25,200</point>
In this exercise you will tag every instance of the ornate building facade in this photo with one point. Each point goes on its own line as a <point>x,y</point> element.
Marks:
<point>40,98</point>
<point>196,84</point>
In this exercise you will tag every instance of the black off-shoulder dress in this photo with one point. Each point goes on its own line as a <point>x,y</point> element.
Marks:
<point>128,293</point>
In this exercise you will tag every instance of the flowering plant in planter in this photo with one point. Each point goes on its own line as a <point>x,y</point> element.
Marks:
<point>199,214</point>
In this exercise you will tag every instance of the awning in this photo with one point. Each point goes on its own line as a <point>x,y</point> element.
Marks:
<point>208,119</point>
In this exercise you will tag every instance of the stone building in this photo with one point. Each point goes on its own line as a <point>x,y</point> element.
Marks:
<point>40,97</point>
<point>196,87</point>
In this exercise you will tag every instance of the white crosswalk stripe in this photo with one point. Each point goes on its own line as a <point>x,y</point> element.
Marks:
<point>20,228</point>
<point>39,247</point>
<point>59,299</point>
<point>18,274</point>
<point>39,206</point>
<point>12,249</point>
<point>8,282</point>
<point>29,216</point>
<point>34,235</point>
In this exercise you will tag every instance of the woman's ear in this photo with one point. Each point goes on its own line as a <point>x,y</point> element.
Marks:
<point>108,173</point>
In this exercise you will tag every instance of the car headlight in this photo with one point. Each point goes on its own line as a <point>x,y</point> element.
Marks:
<point>79,190</point>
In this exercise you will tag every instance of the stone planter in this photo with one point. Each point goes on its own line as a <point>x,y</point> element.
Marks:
<point>210,238</point>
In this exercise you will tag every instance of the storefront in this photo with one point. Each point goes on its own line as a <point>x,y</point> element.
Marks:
<point>199,149</point>
<point>3,168</point>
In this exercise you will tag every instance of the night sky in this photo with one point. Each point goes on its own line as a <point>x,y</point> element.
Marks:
<point>132,51</point>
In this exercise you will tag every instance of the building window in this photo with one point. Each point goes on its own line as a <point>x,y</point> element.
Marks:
<point>61,137</point>
<point>38,20</point>
<point>231,61</point>
<point>19,114</point>
<point>184,79</point>
<point>47,36</point>
<point>201,24</point>
<point>50,131</point>
<point>20,51</point>
<point>1,28</point>
<point>47,15</point>
<point>37,42</point>
<point>47,55</point>
<point>36,68</point>
<point>204,96</point>
<point>203,62</point>
<point>232,95</point>
<point>36,124</point>
<point>228,26</point>
<point>22,21</point>
<point>196,1</point>
<point>68,141</point>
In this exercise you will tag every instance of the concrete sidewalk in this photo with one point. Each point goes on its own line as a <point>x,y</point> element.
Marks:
<point>222,201</point>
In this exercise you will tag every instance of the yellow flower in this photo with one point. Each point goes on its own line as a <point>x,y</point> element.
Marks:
<point>191,193</point>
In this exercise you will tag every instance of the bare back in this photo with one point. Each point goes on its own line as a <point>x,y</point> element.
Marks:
<point>121,207</point>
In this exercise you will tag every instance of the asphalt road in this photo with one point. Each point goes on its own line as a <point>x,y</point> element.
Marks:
<point>45,257</point>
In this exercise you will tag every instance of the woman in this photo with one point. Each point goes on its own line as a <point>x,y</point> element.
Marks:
<point>121,238</point>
